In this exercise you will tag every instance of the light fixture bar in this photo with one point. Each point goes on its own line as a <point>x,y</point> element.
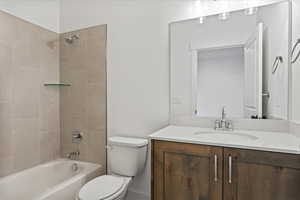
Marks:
<point>201,19</point>
<point>251,11</point>
<point>224,16</point>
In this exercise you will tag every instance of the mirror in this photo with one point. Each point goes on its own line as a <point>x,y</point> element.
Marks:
<point>237,60</point>
<point>295,59</point>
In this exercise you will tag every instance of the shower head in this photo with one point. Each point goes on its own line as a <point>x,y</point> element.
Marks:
<point>71,39</point>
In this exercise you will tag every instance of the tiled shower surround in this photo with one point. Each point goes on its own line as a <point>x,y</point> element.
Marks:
<point>29,112</point>
<point>35,127</point>
<point>83,105</point>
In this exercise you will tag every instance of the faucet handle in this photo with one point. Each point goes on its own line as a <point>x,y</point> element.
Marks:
<point>217,124</point>
<point>68,155</point>
<point>229,125</point>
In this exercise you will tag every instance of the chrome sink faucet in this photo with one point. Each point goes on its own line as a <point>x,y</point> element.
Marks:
<point>223,124</point>
<point>223,118</point>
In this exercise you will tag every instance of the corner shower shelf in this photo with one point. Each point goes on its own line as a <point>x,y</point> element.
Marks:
<point>57,84</point>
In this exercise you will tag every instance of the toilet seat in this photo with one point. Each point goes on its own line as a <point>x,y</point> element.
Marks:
<point>105,187</point>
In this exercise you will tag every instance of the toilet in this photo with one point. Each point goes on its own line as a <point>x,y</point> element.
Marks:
<point>127,158</point>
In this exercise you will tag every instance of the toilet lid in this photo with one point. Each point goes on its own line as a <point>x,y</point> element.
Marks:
<point>101,188</point>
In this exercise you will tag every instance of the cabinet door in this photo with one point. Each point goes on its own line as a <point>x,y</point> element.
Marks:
<point>257,175</point>
<point>186,171</point>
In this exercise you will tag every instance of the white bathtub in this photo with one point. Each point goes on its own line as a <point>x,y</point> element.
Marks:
<point>51,181</point>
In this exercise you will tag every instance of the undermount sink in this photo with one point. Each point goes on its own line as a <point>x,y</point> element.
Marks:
<point>225,136</point>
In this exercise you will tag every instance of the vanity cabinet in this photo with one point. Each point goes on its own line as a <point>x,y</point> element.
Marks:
<point>186,171</point>
<point>259,175</point>
<point>198,172</point>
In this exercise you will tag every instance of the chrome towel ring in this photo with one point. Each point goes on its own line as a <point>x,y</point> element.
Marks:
<point>293,51</point>
<point>278,60</point>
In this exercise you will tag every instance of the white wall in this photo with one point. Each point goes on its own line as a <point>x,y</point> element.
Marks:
<point>189,35</point>
<point>221,77</point>
<point>296,66</point>
<point>44,13</point>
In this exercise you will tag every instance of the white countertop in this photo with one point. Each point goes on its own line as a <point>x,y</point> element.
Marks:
<point>255,140</point>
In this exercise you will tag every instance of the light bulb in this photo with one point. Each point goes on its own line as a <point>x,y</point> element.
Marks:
<point>224,16</point>
<point>251,11</point>
<point>201,19</point>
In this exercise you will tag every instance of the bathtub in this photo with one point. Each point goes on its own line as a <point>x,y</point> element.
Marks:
<point>55,180</point>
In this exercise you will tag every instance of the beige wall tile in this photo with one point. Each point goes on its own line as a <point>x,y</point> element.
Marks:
<point>49,119</point>
<point>8,30</point>
<point>6,165</point>
<point>36,122</point>
<point>49,146</point>
<point>26,89</point>
<point>26,143</point>
<point>29,112</point>
<point>6,139</point>
<point>5,130</point>
<point>96,142</point>
<point>25,135</point>
<point>83,105</point>
<point>96,107</point>
<point>6,72</point>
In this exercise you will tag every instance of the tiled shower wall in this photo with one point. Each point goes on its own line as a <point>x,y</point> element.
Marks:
<point>29,112</point>
<point>83,105</point>
<point>36,122</point>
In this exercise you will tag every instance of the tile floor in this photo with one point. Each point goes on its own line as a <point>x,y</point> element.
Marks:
<point>135,196</point>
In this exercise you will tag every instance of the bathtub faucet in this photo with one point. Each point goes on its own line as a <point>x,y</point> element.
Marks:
<point>73,155</point>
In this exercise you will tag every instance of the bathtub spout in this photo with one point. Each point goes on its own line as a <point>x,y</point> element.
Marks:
<point>75,167</point>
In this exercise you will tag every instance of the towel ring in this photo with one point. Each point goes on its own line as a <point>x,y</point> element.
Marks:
<point>293,51</point>
<point>276,63</point>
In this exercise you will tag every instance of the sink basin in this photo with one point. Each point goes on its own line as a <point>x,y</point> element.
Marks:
<point>225,136</point>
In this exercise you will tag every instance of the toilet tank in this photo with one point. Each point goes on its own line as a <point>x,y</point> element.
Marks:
<point>127,156</point>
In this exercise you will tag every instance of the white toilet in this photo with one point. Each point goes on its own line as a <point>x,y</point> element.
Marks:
<point>126,157</point>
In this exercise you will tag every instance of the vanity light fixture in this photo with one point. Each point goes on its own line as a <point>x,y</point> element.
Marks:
<point>224,16</point>
<point>251,11</point>
<point>201,19</point>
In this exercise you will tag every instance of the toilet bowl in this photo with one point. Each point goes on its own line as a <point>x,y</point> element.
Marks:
<point>107,187</point>
<point>127,157</point>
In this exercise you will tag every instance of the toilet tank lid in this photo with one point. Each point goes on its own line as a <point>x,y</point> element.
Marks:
<point>127,141</point>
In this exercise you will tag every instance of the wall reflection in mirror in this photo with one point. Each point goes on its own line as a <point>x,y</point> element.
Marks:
<point>237,60</point>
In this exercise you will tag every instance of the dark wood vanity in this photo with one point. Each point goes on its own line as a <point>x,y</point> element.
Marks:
<point>183,171</point>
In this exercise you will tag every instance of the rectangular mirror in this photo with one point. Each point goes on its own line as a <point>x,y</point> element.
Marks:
<point>238,60</point>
